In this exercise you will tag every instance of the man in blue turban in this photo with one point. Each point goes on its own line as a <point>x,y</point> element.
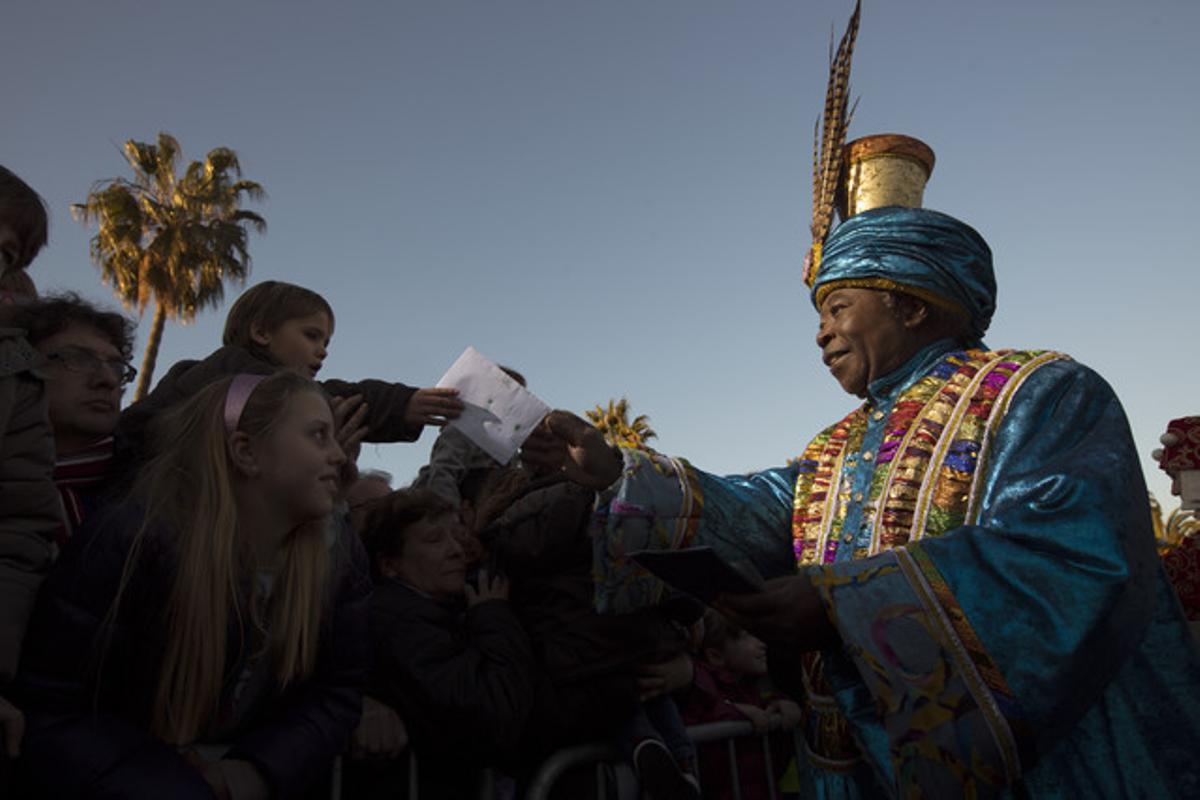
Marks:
<point>966,560</point>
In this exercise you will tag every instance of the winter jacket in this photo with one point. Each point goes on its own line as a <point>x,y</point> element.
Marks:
<point>588,662</point>
<point>30,510</point>
<point>87,688</point>
<point>462,682</point>
<point>385,401</point>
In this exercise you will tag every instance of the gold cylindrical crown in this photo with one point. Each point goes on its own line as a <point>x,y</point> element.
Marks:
<point>886,169</point>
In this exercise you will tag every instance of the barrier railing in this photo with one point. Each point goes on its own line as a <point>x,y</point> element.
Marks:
<point>611,767</point>
<point>606,757</point>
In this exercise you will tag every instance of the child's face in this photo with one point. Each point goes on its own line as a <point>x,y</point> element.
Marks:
<point>11,250</point>
<point>298,343</point>
<point>298,460</point>
<point>745,656</point>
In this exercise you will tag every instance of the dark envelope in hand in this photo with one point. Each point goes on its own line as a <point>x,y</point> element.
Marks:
<point>700,572</point>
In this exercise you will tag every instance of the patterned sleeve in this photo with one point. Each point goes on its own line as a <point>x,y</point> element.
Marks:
<point>664,503</point>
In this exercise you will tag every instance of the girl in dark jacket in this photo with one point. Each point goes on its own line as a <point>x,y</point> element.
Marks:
<point>207,637</point>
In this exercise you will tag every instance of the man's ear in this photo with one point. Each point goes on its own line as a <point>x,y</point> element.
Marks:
<point>242,454</point>
<point>915,313</point>
<point>259,335</point>
<point>389,566</point>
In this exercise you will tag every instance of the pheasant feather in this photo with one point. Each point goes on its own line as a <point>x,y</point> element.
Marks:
<point>828,140</point>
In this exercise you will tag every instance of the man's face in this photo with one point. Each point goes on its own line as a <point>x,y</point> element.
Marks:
<point>84,402</point>
<point>861,338</point>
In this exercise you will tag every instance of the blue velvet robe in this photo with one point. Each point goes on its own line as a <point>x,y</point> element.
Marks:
<point>1037,652</point>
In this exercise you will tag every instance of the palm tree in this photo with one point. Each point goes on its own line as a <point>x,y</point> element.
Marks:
<point>614,423</point>
<point>174,239</point>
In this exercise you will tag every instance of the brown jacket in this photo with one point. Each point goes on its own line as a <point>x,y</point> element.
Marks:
<point>30,507</point>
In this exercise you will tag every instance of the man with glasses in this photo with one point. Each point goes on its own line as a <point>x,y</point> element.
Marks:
<point>86,352</point>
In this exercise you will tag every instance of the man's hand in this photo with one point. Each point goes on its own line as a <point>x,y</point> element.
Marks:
<point>788,611</point>
<point>380,732</point>
<point>491,587</point>
<point>433,407</point>
<point>349,415</point>
<point>12,726</point>
<point>565,443</point>
<point>664,677</point>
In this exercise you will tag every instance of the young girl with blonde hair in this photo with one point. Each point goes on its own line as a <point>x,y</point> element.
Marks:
<point>208,635</point>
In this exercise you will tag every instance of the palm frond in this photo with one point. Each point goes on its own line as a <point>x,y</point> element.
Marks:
<point>172,237</point>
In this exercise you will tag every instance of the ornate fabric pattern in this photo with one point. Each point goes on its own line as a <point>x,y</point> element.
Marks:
<point>1183,568</point>
<point>979,535</point>
<point>934,445</point>
<point>637,523</point>
<point>922,484</point>
<point>918,683</point>
<point>1183,452</point>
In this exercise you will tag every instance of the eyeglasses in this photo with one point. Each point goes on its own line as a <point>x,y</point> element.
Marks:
<point>85,362</point>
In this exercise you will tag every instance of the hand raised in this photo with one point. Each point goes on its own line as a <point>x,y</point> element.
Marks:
<point>435,406</point>
<point>349,420</point>
<point>565,443</point>
<point>491,587</point>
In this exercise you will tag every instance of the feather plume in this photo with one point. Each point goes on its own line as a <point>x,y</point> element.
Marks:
<point>828,140</point>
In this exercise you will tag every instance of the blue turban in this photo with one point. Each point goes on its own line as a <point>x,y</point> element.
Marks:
<point>920,252</point>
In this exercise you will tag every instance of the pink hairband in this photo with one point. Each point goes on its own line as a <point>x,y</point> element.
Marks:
<point>240,389</point>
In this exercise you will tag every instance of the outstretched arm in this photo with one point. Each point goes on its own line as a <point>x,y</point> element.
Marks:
<point>653,502</point>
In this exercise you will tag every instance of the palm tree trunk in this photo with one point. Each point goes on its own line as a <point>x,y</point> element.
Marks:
<point>151,355</point>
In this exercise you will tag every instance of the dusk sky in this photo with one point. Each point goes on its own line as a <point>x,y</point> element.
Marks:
<point>613,196</point>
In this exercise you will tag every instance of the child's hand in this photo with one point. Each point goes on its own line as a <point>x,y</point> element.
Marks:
<point>349,414</point>
<point>433,407</point>
<point>788,712</point>
<point>491,587</point>
<point>758,717</point>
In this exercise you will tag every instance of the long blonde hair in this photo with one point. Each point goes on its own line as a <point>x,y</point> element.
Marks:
<point>187,491</point>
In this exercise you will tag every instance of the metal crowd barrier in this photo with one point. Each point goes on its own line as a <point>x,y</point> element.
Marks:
<point>611,767</point>
<point>606,757</point>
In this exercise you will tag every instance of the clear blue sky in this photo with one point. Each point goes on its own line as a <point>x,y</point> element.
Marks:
<point>613,196</point>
